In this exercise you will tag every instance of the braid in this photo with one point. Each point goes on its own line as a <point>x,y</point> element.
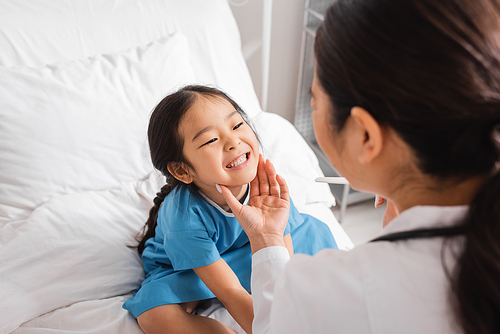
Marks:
<point>149,229</point>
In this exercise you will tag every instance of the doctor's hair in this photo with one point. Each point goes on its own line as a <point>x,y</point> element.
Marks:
<point>430,70</point>
<point>166,143</point>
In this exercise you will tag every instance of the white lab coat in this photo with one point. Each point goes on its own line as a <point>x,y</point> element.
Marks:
<point>380,287</point>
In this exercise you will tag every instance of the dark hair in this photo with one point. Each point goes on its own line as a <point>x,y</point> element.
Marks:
<point>430,70</point>
<point>165,142</point>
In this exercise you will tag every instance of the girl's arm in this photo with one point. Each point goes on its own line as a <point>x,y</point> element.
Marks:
<point>288,243</point>
<point>225,285</point>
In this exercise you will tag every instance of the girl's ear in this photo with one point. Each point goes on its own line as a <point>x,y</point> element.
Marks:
<point>371,135</point>
<point>180,171</point>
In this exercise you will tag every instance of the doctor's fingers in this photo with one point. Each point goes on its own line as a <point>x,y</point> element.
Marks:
<point>262,176</point>
<point>233,203</point>
<point>285,194</point>
<point>391,212</point>
<point>271,176</point>
<point>379,200</point>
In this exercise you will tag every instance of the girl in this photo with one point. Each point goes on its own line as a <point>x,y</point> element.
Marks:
<point>193,247</point>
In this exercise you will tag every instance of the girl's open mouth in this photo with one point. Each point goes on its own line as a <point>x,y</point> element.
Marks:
<point>240,160</point>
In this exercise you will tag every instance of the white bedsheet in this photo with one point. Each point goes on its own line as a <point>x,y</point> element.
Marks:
<point>100,316</point>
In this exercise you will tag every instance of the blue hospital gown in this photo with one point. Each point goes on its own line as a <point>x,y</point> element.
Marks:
<point>192,231</point>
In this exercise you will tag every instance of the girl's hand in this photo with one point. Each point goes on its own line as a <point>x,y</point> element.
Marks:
<point>265,217</point>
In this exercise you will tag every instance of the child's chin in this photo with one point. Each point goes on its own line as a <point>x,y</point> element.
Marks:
<point>250,177</point>
<point>242,182</point>
<point>238,185</point>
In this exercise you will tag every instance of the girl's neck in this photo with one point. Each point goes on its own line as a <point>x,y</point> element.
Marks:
<point>214,195</point>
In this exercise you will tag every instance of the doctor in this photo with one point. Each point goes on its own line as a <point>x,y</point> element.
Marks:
<point>406,100</point>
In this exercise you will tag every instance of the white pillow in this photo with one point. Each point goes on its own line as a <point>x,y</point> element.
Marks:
<point>82,125</point>
<point>72,249</point>
<point>39,32</point>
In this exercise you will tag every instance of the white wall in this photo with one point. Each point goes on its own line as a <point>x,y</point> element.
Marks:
<point>286,38</point>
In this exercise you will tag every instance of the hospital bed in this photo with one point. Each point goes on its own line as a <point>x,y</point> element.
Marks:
<point>78,81</point>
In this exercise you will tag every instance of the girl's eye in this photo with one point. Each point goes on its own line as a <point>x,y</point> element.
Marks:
<point>238,125</point>
<point>210,141</point>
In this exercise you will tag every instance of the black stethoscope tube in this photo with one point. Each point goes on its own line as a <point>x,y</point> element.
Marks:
<point>422,233</point>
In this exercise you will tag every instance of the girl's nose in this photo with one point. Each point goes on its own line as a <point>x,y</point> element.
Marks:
<point>232,143</point>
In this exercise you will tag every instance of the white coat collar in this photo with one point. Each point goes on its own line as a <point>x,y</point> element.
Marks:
<point>426,217</point>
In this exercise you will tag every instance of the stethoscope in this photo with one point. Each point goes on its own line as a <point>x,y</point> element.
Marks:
<point>422,233</point>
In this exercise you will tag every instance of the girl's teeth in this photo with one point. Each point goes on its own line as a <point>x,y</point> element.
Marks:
<point>238,162</point>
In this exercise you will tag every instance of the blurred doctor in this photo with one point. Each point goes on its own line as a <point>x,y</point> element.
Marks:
<point>406,99</point>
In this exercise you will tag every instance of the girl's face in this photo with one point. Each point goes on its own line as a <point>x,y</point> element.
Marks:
<point>219,145</point>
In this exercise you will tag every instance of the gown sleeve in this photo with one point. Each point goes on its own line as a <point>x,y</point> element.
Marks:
<point>294,219</point>
<point>190,249</point>
<point>189,235</point>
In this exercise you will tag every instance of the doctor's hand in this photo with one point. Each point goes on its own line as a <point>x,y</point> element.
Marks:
<point>265,217</point>
<point>391,211</point>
